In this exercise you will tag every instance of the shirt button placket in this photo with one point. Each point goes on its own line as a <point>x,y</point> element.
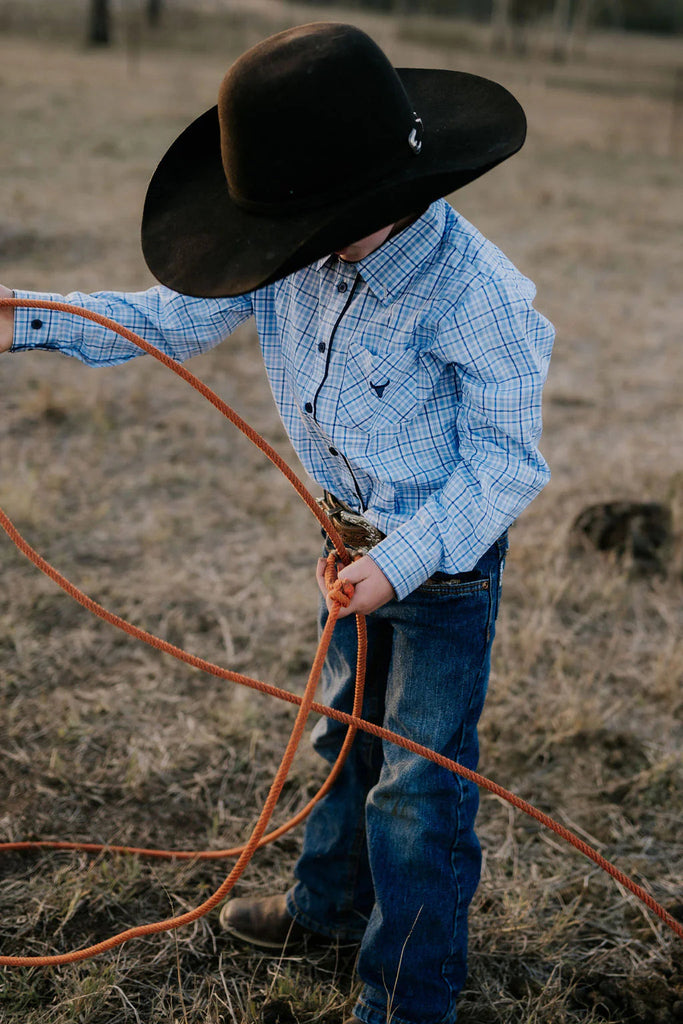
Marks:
<point>339,280</point>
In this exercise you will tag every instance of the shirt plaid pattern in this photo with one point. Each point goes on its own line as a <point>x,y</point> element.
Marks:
<point>409,383</point>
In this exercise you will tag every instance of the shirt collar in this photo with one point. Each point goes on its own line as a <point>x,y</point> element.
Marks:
<point>388,270</point>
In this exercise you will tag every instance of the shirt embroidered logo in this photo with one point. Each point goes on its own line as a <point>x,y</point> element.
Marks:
<point>380,388</point>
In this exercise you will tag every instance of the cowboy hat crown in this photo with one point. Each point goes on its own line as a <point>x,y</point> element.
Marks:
<point>310,115</point>
<point>316,141</point>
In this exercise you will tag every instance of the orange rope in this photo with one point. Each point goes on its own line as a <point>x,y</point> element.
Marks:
<point>341,596</point>
<point>250,847</point>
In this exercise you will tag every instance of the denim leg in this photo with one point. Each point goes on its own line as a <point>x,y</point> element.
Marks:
<point>334,893</point>
<point>424,855</point>
<point>414,863</point>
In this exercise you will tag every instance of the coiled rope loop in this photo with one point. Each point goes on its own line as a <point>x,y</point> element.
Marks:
<point>341,592</point>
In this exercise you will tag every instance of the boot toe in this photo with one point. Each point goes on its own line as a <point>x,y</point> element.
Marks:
<point>263,922</point>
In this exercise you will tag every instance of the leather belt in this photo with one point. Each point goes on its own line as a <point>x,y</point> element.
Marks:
<point>357,533</point>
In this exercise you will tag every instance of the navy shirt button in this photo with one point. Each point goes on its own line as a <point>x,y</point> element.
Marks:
<point>36,324</point>
<point>333,451</point>
<point>308,407</point>
<point>321,346</point>
<point>342,286</point>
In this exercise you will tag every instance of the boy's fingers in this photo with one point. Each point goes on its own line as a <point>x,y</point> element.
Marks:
<point>320,576</point>
<point>372,588</point>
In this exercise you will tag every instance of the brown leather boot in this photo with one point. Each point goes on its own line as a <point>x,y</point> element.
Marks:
<point>265,922</point>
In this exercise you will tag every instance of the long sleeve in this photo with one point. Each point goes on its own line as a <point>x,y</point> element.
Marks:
<point>177,324</point>
<point>499,348</point>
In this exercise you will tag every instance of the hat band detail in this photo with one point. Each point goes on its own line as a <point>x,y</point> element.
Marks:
<point>415,137</point>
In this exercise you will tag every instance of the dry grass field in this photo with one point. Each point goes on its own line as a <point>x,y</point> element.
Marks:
<point>148,500</point>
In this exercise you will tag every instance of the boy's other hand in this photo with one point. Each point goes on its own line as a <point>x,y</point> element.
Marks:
<point>372,588</point>
<point>6,320</point>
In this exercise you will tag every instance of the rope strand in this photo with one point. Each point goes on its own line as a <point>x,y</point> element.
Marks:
<point>341,593</point>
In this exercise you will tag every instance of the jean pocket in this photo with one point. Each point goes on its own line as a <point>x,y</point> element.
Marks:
<point>462,585</point>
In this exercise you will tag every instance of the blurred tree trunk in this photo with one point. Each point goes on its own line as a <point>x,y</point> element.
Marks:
<point>99,34</point>
<point>585,13</point>
<point>561,29</point>
<point>583,16</point>
<point>154,12</point>
<point>500,24</point>
<point>509,22</point>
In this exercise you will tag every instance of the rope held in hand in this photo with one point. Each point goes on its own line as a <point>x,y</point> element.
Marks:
<point>341,593</point>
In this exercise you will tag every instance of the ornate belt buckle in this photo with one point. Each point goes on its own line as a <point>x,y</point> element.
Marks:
<point>357,533</point>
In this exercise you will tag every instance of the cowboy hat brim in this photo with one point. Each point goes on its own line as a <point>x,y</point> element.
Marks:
<point>198,241</point>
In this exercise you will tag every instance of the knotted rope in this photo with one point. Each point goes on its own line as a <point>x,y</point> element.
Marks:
<point>341,592</point>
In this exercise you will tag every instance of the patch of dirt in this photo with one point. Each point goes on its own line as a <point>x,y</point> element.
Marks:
<point>278,1011</point>
<point>657,999</point>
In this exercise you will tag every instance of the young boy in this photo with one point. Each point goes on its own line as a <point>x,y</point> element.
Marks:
<point>407,363</point>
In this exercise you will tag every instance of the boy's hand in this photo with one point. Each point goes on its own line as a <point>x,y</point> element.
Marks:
<point>6,320</point>
<point>372,588</point>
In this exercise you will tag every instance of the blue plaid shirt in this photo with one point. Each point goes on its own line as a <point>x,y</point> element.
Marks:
<point>409,383</point>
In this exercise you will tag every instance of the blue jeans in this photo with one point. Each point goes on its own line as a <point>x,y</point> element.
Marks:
<point>390,856</point>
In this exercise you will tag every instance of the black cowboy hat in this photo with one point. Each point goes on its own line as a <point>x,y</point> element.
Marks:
<point>316,142</point>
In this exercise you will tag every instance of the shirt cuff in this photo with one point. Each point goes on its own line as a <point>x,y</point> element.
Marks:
<point>410,554</point>
<point>36,328</point>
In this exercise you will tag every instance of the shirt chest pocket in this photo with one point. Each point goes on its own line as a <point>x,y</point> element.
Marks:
<point>383,391</point>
